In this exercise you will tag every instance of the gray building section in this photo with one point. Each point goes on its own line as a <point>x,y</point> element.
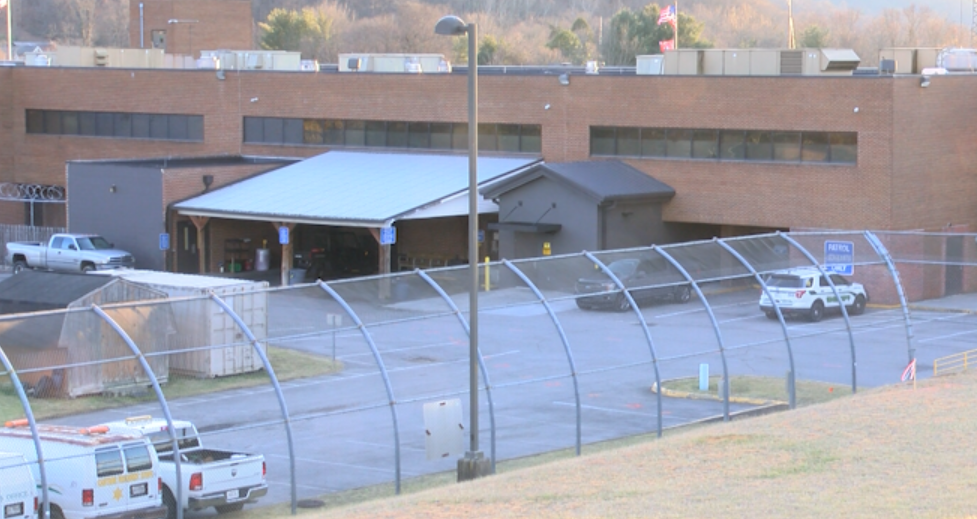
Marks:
<point>121,201</point>
<point>594,205</point>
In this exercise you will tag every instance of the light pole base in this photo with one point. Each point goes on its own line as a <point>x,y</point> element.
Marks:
<point>474,465</point>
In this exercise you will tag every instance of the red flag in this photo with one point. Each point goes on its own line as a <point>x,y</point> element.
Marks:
<point>666,45</point>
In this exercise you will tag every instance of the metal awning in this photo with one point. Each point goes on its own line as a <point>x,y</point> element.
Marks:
<point>357,189</point>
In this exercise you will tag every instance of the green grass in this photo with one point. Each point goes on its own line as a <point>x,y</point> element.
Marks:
<point>765,388</point>
<point>288,365</point>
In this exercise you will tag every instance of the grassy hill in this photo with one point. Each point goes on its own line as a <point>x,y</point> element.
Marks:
<point>888,452</point>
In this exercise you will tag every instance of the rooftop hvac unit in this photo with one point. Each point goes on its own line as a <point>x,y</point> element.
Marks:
<point>592,67</point>
<point>101,57</point>
<point>254,61</point>
<point>412,65</point>
<point>309,65</point>
<point>353,64</point>
<point>887,66</point>
<point>839,60</point>
<point>40,60</point>
<point>791,62</point>
<point>209,62</point>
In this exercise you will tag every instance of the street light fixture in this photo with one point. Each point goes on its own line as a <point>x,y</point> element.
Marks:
<point>474,464</point>
<point>174,21</point>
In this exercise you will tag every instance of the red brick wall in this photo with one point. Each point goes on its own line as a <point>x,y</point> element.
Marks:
<point>875,194</point>
<point>221,24</point>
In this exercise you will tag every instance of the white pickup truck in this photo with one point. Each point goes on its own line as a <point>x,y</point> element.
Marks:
<point>224,480</point>
<point>68,253</point>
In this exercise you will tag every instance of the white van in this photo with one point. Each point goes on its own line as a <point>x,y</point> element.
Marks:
<point>18,492</point>
<point>92,473</point>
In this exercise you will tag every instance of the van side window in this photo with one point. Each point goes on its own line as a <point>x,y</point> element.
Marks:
<point>108,462</point>
<point>137,458</point>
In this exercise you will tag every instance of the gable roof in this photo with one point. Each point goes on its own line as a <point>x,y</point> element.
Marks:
<point>602,180</point>
<point>364,189</point>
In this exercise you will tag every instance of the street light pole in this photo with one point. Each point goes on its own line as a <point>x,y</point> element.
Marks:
<point>474,464</point>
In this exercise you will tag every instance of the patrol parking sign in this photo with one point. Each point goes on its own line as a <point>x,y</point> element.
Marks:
<point>839,257</point>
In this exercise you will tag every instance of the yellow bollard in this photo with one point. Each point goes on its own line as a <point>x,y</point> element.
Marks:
<point>487,282</point>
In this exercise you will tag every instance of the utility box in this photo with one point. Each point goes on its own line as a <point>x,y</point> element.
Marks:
<point>199,322</point>
<point>649,65</point>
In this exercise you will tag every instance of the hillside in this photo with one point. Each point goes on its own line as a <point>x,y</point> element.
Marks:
<point>888,452</point>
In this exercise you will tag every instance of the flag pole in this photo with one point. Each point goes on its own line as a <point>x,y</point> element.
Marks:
<point>10,45</point>
<point>675,36</point>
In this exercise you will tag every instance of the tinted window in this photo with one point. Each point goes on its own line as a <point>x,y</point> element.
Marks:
<point>440,135</point>
<point>653,143</point>
<point>177,127</point>
<point>122,125</point>
<point>35,121</point>
<point>679,143</point>
<point>459,136</point>
<point>140,126</point>
<point>86,123</point>
<point>396,134</point>
<point>333,132</point>
<point>531,138</point>
<point>253,129</point>
<point>195,127</point>
<point>629,141</point>
<point>274,129</point>
<point>420,135</point>
<point>52,122</point>
<point>705,144</point>
<point>732,145</point>
<point>509,137</point>
<point>786,146</point>
<point>137,458</point>
<point>376,133</point>
<point>108,462</point>
<point>293,132</point>
<point>488,137</point>
<point>784,281</point>
<point>355,133</point>
<point>602,141</point>
<point>758,146</point>
<point>844,147</point>
<point>814,147</point>
<point>312,132</point>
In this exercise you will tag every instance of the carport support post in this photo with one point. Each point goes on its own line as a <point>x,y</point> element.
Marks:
<point>384,266</point>
<point>200,222</point>
<point>287,248</point>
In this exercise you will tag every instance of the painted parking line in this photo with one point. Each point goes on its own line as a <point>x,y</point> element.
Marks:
<point>386,446</point>
<point>606,409</point>
<point>288,484</point>
<point>387,471</point>
<point>938,337</point>
<point>398,350</point>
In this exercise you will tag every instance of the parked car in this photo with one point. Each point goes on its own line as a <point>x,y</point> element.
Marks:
<point>225,480</point>
<point>640,279</point>
<point>68,253</point>
<point>805,291</point>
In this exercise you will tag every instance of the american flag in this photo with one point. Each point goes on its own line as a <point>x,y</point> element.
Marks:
<point>666,45</point>
<point>667,15</point>
<point>910,372</point>
<point>3,3</point>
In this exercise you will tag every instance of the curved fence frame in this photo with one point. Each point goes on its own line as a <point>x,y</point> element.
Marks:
<point>540,298</point>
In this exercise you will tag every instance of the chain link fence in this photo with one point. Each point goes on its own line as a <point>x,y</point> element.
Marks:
<point>330,382</point>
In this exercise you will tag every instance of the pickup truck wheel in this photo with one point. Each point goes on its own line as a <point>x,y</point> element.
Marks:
<point>170,502</point>
<point>224,509</point>
<point>87,267</point>
<point>19,266</point>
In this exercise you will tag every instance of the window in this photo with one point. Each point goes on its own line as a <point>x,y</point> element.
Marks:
<point>487,137</point>
<point>312,132</point>
<point>333,133</point>
<point>69,123</point>
<point>814,147</point>
<point>195,128</point>
<point>508,135</point>
<point>531,138</point>
<point>396,134</point>
<point>355,133</point>
<point>293,132</point>
<point>732,145</point>
<point>844,147</point>
<point>115,124</point>
<point>629,141</point>
<point>177,125</point>
<point>86,123</point>
<point>108,462</point>
<point>158,126</point>
<point>273,130</point>
<point>724,145</point>
<point>440,135</point>
<point>653,143</point>
<point>419,135</point>
<point>35,121</point>
<point>679,143</point>
<point>253,129</point>
<point>122,125</point>
<point>137,458</point>
<point>103,124</point>
<point>52,122</point>
<point>705,144</point>
<point>459,136</point>
<point>376,133</point>
<point>140,126</point>
<point>602,141</point>
<point>786,146</point>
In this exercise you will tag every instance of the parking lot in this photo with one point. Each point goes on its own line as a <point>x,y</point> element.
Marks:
<point>343,424</point>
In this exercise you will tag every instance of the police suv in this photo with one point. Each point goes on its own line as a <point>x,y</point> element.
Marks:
<point>805,291</point>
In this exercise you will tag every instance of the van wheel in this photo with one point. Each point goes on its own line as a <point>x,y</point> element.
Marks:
<point>19,266</point>
<point>56,512</point>
<point>816,312</point>
<point>224,509</point>
<point>170,503</point>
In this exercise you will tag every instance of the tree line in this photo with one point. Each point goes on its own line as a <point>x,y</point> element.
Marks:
<point>522,32</point>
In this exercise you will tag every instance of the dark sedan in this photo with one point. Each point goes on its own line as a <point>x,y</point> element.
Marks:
<point>638,276</point>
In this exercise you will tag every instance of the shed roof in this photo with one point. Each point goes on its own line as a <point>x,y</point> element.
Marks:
<point>49,289</point>
<point>602,180</point>
<point>360,189</point>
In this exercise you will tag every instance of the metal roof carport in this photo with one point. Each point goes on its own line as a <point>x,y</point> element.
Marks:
<point>353,189</point>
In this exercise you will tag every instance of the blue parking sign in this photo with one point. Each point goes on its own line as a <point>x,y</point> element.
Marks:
<point>164,241</point>
<point>388,235</point>
<point>839,257</point>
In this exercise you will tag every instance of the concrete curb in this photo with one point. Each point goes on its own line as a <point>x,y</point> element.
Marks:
<point>671,393</point>
<point>922,308</point>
